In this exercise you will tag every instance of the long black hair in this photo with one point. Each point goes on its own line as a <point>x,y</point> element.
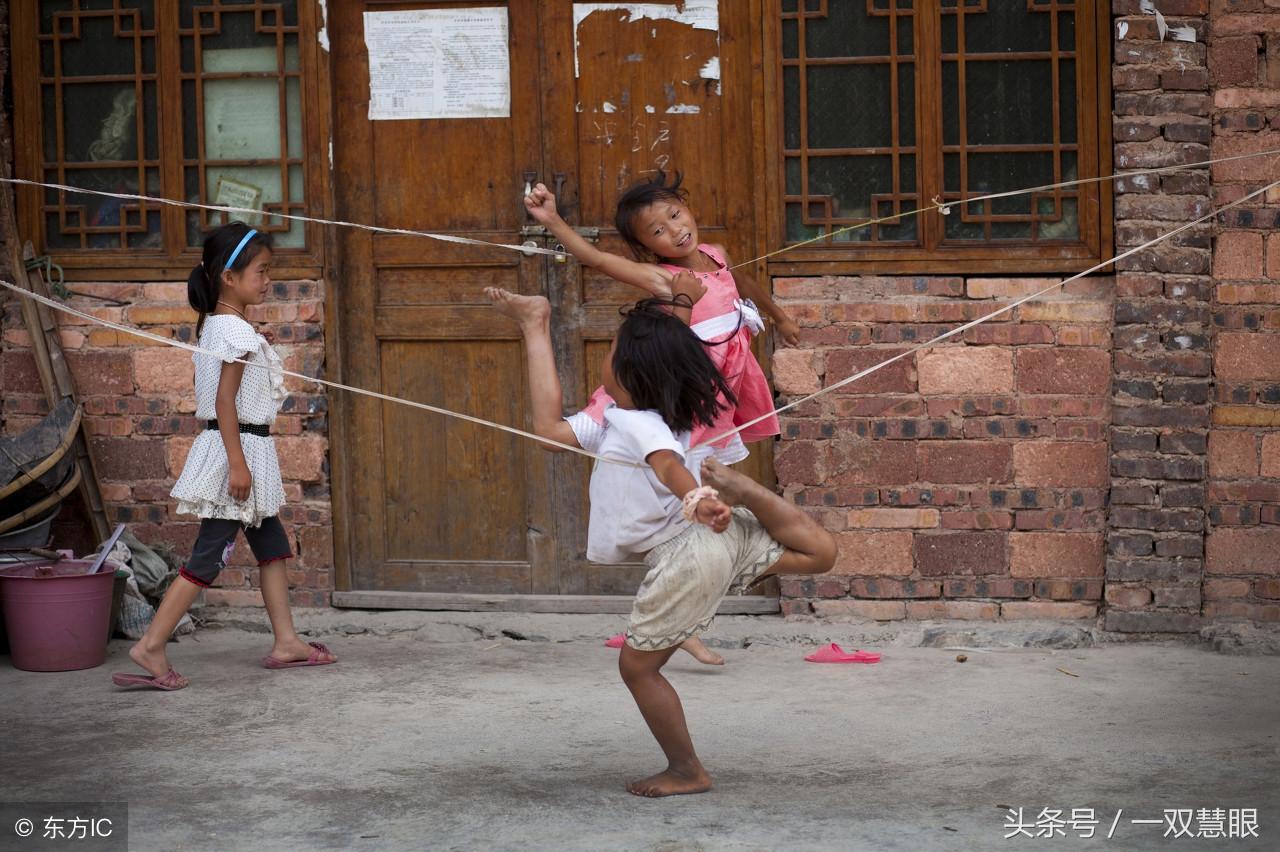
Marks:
<point>639,197</point>
<point>662,364</point>
<point>205,281</point>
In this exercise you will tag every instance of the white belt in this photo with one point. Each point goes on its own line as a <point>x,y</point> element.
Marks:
<point>717,327</point>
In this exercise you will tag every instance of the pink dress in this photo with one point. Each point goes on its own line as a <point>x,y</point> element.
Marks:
<point>723,318</point>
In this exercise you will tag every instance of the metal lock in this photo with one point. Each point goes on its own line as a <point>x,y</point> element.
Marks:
<point>561,257</point>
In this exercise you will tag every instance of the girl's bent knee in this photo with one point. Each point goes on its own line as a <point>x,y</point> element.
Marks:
<point>825,552</point>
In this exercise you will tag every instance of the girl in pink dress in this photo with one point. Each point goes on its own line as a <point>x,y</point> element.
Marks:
<point>654,219</point>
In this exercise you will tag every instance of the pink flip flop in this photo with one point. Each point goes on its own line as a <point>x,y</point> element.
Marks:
<point>270,662</point>
<point>168,682</point>
<point>616,641</point>
<point>833,653</point>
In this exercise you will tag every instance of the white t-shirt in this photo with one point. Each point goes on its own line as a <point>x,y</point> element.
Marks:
<point>632,512</point>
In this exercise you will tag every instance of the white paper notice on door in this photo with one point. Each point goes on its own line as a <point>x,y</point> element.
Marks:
<point>438,63</point>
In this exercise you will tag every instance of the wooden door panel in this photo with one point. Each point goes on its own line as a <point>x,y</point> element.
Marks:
<point>452,462</point>
<point>438,504</point>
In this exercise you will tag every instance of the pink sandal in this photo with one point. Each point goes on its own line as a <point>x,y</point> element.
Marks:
<point>833,653</point>
<point>616,641</point>
<point>270,662</point>
<point>167,682</point>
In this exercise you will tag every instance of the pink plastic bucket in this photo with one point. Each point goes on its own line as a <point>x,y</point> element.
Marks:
<point>55,615</point>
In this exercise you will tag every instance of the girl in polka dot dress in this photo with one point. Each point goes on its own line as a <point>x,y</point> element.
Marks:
<point>231,479</point>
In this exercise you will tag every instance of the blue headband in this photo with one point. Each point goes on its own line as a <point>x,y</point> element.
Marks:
<point>244,241</point>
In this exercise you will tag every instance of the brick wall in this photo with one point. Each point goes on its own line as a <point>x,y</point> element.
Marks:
<point>1243,547</point>
<point>139,407</point>
<point>1162,358</point>
<point>968,484</point>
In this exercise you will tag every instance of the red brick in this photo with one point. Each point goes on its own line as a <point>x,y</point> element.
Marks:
<point>879,587</point>
<point>315,546</point>
<point>947,554</point>
<point>964,461</point>
<point>1065,310</point>
<point>863,462</point>
<point>108,373</point>
<point>1232,455</point>
<point>163,370</point>
<point>1273,257</point>
<point>129,459</point>
<point>958,610</point>
<point>1225,589</point>
<point>875,610</point>
<point>1237,255</point>
<point>1253,612</point>
<point>1055,554</point>
<point>965,370</point>
<point>794,372</point>
<point>874,554</point>
<point>161,315</point>
<point>1267,589</point>
<point>1243,550</point>
<point>802,462</point>
<point>1233,61</point>
<point>977,520</point>
<point>893,518</point>
<point>301,458</point>
<point>1248,294</point>
<point>1260,169</point>
<point>1064,371</point>
<point>1271,455</point>
<point>1016,610</point>
<point>1074,464</point>
<point>1128,597</point>
<point>898,377</point>
<point>1246,356</point>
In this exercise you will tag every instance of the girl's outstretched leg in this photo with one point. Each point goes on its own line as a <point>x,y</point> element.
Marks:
<point>288,647</point>
<point>533,313</point>
<point>663,713</point>
<point>810,548</point>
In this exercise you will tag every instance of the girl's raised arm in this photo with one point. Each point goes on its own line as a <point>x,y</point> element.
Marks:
<point>647,276</point>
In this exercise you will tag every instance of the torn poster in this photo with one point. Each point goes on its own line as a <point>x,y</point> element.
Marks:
<point>698,14</point>
<point>1179,33</point>
<point>438,63</point>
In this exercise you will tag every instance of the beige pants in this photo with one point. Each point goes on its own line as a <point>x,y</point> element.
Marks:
<point>689,574</point>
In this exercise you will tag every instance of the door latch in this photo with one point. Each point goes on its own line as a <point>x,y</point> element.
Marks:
<point>591,235</point>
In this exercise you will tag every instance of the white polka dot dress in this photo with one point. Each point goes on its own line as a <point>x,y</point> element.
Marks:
<point>201,490</point>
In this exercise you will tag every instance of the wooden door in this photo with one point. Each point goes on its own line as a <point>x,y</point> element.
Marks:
<point>433,504</point>
<point>600,97</point>
<point>627,92</point>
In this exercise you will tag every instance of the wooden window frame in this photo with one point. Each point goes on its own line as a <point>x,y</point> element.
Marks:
<point>176,260</point>
<point>1093,69</point>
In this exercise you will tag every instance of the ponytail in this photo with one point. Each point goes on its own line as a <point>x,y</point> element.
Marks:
<point>231,246</point>
<point>202,293</point>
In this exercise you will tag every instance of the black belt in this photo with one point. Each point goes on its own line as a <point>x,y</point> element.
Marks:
<point>260,429</point>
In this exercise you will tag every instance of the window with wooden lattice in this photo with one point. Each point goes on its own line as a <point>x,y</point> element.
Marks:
<point>209,101</point>
<point>880,107</point>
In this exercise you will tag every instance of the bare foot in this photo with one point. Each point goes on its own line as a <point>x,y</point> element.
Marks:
<point>522,309</point>
<point>155,662</point>
<point>293,650</point>
<point>734,487</point>
<point>671,783</point>
<point>701,652</point>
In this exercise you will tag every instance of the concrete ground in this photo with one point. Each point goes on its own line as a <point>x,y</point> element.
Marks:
<point>440,731</point>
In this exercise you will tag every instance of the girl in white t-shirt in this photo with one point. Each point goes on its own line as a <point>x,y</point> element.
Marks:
<point>699,541</point>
